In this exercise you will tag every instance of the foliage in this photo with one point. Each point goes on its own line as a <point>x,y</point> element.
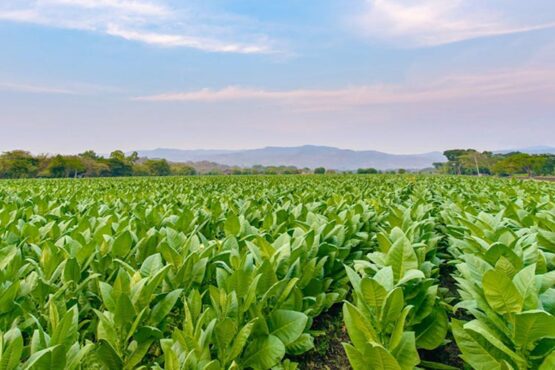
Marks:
<point>473,162</point>
<point>231,272</point>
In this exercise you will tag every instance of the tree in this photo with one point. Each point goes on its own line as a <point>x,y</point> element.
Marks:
<point>89,154</point>
<point>474,162</point>
<point>319,170</point>
<point>65,166</point>
<point>370,170</point>
<point>119,164</point>
<point>521,163</point>
<point>453,157</point>
<point>182,169</point>
<point>158,167</point>
<point>18,164</point>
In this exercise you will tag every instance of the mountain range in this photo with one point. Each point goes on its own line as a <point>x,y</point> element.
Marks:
<point>310,156</point>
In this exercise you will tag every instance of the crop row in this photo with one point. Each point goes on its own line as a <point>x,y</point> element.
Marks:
<point>225,273</point>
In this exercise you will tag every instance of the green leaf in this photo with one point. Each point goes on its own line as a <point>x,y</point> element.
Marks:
<point>66,330</point>
<point>303,344</point>
<point>372,292</point>
<point>138,354</point>
<point>12,354</point>
<point>125,312</point>
<point>401,257</point>
<point>432,331</point>
<point>163,308</point>
<point>549,362</point>
<point>122,244</point>
<point>151,265</point>
<point>379,358</point>
<point>356,359</point>
<point>399,328</point>
<point>359,328</point>
<point>108,356</point>
<point>72,271</point>
<point>525,282</point>
<point>533,325</point>
<point>264,352</point>
<point>501,293</point>
<point>240,341</point>
<point>405,353</point>
<point>51,358</point>
<point>287,325</point>
<point>232,226</point>
<point>473,352</point>
<point>393,306</point>
<point>486,332</point>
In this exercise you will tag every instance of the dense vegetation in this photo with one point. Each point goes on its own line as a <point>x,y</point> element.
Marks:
<point>473,162</point>
<point>19,164</point>
<point>233,272</point>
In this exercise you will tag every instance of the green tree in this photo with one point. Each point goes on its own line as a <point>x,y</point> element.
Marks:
<point>521,163</point>
<point>319,170</point>
<point>158,167</point>
<point>182,169</point>
<point>119,164</point>
<point>18,164</point>
<point>370,170</point>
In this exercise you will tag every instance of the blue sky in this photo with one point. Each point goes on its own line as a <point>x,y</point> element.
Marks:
<point>394,75</point>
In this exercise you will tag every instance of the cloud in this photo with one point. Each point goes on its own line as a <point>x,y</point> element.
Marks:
<point>172,40</point>
<point>437,22</point>
<point>127,6</point>
<point>74,88</point>
<point>496,84</point>
<point>148,22</point>
<point>34,89</point>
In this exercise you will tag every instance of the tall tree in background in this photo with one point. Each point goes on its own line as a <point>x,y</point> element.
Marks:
<point>18,164</point>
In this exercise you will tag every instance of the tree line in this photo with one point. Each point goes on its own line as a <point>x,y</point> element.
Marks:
<point>473,162</point>
<point>18,164</point>
<point>22,164</point>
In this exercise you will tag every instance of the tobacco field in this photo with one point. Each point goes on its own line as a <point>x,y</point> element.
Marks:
<point>208,273</point>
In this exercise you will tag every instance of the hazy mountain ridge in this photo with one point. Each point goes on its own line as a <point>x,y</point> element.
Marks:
<point>310,156</point>
<point>540,149</point>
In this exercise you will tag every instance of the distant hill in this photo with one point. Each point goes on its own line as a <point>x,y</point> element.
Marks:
<point>529,150</point>
<point>310,156</point>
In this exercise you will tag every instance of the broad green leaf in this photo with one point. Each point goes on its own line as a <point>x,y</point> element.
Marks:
<point>163,308</point>
<point>11,355</point>
<point>501,293</point>
<point>525,282</point>
<point>401,257</point>
<point>473,352</point>
<point>232,226</point>
<point>533,325</point>
<point>263,352</point>
<point>302,344</point>
<point>122,244</point>
<point>549,362</point>
<point>393,306</point>
<point>432,331</point>
<point>405,352</point>
<point>380,359</point>
<point>372,292</point>
<point>360,329</point>
<point>287,325</point>
<point>108,356</point>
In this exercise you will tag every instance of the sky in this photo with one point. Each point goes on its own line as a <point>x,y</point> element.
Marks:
<point>400,76</point>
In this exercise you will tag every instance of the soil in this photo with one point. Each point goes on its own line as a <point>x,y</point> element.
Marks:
<point>328,352</point>
<point>447,354</point>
